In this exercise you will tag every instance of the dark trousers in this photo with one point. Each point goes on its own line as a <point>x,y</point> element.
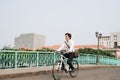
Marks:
<point>70,57</point>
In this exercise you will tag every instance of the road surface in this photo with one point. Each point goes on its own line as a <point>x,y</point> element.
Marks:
<point>88,74</point>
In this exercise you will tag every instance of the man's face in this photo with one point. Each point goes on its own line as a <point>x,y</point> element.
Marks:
<point>67,37</point>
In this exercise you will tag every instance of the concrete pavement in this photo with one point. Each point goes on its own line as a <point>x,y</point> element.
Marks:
<point>108,73</point>
<point>21,72</point>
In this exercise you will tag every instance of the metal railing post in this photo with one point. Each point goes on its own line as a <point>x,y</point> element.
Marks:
<point>37,59</point>
<point>16,53</point>
<point>54,57</point>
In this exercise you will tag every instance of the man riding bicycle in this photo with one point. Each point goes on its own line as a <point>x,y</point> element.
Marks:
<point>68,46</point>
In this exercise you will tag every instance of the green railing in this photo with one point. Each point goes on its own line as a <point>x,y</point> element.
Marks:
<point>15,59</point>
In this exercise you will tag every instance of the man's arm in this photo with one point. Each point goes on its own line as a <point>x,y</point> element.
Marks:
<point>60,48</point>
<point>71,46</point>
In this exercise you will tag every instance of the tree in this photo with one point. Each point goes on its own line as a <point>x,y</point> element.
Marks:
<point>94,51</point>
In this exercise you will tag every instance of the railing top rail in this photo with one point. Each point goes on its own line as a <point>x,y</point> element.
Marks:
<point>26,51</point>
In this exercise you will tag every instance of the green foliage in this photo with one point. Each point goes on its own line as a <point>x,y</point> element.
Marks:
<point>46,50</point>
<point>95,52</point>
<point>10,49</point>
<point>25,49</point>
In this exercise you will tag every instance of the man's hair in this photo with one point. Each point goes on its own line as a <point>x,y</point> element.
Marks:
<point>69,34</point>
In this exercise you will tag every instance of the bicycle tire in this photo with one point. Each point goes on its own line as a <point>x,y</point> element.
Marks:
<point>76,66</point>
<point>56,70</point>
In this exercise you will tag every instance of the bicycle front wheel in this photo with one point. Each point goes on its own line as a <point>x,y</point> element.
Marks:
<point>56,71</point>
<point>76,66</point>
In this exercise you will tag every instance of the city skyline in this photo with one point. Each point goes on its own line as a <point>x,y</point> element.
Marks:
<point>29,40</point>
<point>54,18</point>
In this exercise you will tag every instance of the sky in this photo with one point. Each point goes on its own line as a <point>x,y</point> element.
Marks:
<point>53,18</point>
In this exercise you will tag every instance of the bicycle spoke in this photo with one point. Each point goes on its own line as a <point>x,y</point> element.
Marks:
<point>75,71</point>
<point>57,72</point>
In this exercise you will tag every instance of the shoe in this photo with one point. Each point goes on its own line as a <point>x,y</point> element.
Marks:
<point>66,70</point>
<point>72,70</point>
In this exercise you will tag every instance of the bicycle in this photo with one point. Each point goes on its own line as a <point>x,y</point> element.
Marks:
<point>57,70</point>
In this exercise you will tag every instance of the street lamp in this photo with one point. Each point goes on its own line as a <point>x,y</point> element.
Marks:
<point>98,36</point>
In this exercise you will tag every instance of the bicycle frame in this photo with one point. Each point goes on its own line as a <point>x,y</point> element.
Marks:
<point>58,70</point>
<point>62,58</point>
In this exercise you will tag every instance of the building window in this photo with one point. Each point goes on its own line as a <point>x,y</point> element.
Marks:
<point>115,37</point>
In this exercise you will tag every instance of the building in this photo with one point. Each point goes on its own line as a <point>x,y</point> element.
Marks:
<point>111,41</point>
<point>30,40</point>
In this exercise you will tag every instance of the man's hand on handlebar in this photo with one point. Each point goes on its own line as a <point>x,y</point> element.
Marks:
<point>67,52</point>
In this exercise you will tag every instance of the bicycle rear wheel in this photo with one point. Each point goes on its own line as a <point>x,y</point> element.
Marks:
<point>56,71</point>
<point>76,66</point>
